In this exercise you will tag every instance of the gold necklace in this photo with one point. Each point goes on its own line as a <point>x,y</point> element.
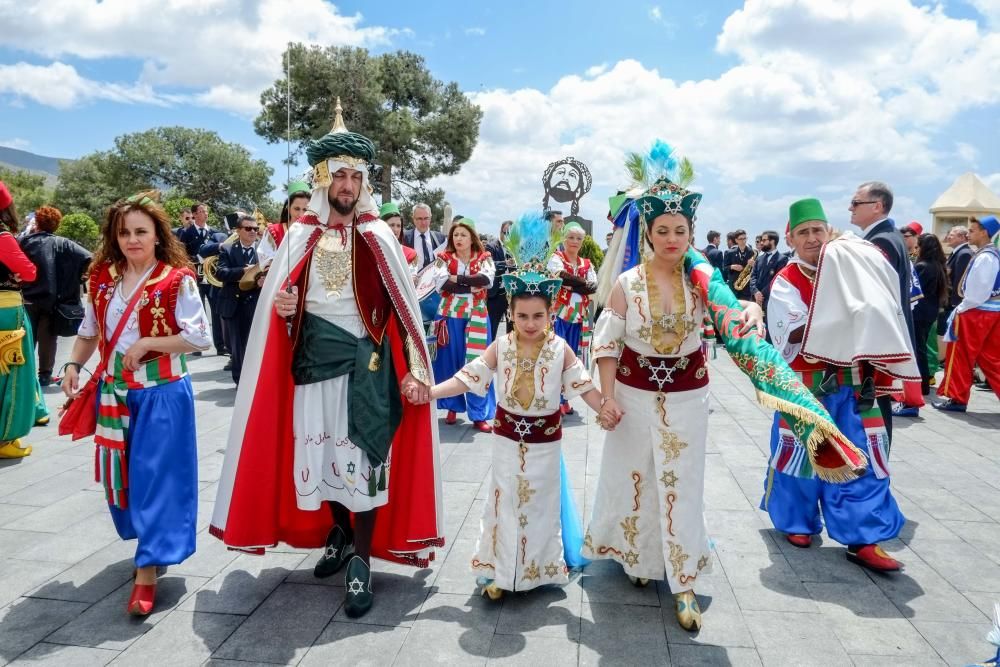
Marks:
<point>667,331</point>
<point>523,389</point>
<point>333,260</point>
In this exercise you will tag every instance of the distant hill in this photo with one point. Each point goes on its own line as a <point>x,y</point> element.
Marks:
<point>19,159</point>
<point>12,158</point>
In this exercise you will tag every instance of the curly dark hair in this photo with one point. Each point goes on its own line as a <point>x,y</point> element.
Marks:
<point>930,252</point>
<point>8,219</point>
<point>169,249</point>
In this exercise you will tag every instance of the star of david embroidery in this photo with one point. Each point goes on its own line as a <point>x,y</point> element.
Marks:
<point>669,478</point>
<point>331,552</point>
<point>526,365</point>
<point>551,570</point>
<point>541,403</point>
<point>510,354</point>
<point>355,586</point>
<point>647,207</point>
<point>523,520</point>
<point>547,354</point>
<point>645,332</point>
<point>350,468</point>
<point>522,427</point>
<point>661,374</point>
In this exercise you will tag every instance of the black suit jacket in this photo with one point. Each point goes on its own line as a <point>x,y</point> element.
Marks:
<point>715,258</point>
<point>763,272</point>
<point>890,241</point>
<point>435,239</point>
<point>958,263</point>
<point>229,270</point>
<point>193,239</point>
<point>736,256</point>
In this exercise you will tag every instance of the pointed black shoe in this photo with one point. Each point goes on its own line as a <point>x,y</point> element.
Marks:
<point>336,554</point>
<point>358,586</point>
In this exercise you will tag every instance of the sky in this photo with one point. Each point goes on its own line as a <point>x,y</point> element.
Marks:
<point>772,100</point>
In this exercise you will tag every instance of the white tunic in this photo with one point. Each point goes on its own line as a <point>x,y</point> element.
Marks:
<point>649,507</point>
<point>328,466</point>
<point>520,540</point>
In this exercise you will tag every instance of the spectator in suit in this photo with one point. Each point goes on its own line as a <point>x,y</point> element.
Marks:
<point>870,207</point>
<point>712,252</point>
<point>187,219</point>
<point>194,239</point>
<point>736,260</point>
<point>496,297</point>
<point>958,262</point>
<point>768,263</point>
<point>236,306</point>
<point>421,237</point>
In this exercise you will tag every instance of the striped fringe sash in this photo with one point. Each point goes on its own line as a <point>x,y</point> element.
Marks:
<point>110,463</point>
<point>477,327</point>
<point>576,313</point>
<point>790,455</point>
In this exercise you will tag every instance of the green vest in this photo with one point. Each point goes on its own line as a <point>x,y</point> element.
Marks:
<point>374,407</point>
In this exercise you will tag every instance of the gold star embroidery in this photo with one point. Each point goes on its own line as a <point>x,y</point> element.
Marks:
<point>630,530</point>
<point>510,354</point>
<point>669,478</point>
<point>671,446</point>
<point>645,332</point>
<point>541,403</point>
<point>524,491</point>
<point>677,558</point>
<point>637,284</point>
<point>551,570</point>
<point>532,573</point>
<point>702,563</point>
<point>523,520</point>
<point>631,558</point>
<point>547,353</point>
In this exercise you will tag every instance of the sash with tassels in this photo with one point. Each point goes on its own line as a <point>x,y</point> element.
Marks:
<point>778,386</point>
<point>471,308</point>
<point>110,460</point>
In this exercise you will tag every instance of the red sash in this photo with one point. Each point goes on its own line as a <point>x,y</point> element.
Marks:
<point>662,374</point>
<point>520,428</point>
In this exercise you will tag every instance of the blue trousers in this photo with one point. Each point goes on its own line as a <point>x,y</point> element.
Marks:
<point>859,512</point>
<point>162,455</point>
<point>450,359</point>
<point>571,333</point>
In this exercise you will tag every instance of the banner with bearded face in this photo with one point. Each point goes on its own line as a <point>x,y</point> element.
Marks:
<point>566,180</point>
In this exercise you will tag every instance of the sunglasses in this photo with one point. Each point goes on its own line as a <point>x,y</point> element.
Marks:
<point>249,229</point>
<point>857,202</point>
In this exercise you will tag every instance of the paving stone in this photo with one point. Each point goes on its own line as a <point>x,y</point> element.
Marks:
<point>789,638</point>
<point>605,640</point>
<point>75,542</point>
<point>710,656</point>
<point>57,655</point>
<point>243,585</point>
<point>532,650</point>
<point>765,581</point>
<point>398,598</point>
<point>920,592</point>
<point>604,581</point>
<point>210,557</point>
<point>547,611</point>
<point>450,629</point>
<point>107,625</point>
<point>182,638</point>
<point>901,661</point>
<point>54,489</point>
<point>60,515</point>
<point>271,634</point>
<point>92,578</point>
<point>27,621</point>
<point>17,577</point>
<point>365,645</point>
<point>977,572</point>
<point>958,643</point>
<point>722,619</point>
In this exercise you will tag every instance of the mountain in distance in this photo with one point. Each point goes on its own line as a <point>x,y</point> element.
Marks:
<point>16,159</point>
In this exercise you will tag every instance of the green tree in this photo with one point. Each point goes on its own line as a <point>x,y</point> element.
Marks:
<point>421,126</point>
<point>27,188</point>
<point>180,162</point>
<point>174,205</point>
<point>592,251</point>
<point>433,197</point>
<point>81,228</point>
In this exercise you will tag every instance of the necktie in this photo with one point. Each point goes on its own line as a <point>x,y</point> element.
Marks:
<point>427,250</point>
<point>248,255</point>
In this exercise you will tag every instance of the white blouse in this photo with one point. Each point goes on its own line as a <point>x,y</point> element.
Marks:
<point>438,274</point>
<point>555,267</point>
<point>195,326</point>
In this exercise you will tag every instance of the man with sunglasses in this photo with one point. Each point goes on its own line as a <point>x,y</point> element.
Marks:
<point>869,209</point>
<point>236,305</point>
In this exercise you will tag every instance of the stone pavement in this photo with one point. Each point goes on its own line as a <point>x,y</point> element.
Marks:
<point>65,576</point>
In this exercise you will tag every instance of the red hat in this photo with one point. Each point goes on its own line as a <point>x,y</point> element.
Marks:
<point>5,198</point>
<point>915,227</point>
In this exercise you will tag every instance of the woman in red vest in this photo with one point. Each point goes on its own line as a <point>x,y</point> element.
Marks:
<point>144,314</point>
<point>463,272</point>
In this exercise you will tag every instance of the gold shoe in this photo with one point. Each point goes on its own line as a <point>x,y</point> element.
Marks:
<point>42,421</point>
<point>638,582</point>
<point>492,591</point>
<point>13,450</point>
<point>688,611</point>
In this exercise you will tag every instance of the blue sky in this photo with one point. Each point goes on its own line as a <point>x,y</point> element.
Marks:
<point>773,99</point>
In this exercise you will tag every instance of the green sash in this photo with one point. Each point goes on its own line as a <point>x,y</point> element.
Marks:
<point>374,407</point>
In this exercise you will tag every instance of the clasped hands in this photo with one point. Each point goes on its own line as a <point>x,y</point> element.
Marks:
<point>415,391</point>
<point>610,415</point>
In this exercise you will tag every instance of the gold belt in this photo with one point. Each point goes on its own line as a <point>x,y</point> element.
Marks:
<point>10,298</point>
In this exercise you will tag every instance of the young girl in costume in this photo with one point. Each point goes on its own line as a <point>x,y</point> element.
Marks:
<point>524,542</point>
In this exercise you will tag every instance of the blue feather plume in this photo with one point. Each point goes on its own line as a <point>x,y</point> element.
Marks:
<point>530,240</point>
<point>661,160</point>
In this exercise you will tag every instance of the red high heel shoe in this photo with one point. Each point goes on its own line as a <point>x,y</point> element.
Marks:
<point>140,603</point>
<point>451,418</point>
<point>483,427</point>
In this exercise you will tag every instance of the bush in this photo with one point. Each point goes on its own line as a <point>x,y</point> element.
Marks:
<point>174,205</point>
<point>81,228</point>
<point>592,251</point>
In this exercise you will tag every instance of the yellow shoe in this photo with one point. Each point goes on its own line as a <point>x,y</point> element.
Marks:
<point>492,591</point>
<point>42,421</point>
<point>688,612</point>
<point>13,450</point>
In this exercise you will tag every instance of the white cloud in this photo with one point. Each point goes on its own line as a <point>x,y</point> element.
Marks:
<point>967,152</point>
<point>655,13</point>
<point>16,142</point>
<point>597,70</point>
<point>224,50</point>
<point>61,86</point>
<point>990,9</point>
<point>993,182</point>
<point>476,31</point>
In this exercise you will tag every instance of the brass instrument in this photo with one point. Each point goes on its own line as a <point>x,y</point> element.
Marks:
<point>744,278</point>
<point>208,266</point>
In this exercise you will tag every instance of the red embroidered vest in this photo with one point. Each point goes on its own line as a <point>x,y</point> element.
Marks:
<point>155,310</point>
<point>581,270</point>
<point>451,261</point>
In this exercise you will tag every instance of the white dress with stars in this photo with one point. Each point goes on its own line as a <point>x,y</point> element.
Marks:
<point>648,512</point>
<point>520,541</point>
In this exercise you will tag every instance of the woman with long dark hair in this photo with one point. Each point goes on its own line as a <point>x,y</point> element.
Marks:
<point>21,405</point>
<point>144,314</point>
<point>932,271</point>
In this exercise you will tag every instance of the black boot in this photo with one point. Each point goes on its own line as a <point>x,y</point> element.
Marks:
<point>358,585</point>
<point>337,552</point>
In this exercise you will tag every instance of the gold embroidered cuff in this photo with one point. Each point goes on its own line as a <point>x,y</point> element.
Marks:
<point>415,362</point>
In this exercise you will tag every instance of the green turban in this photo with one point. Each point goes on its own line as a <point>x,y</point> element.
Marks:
<point>340,144</point>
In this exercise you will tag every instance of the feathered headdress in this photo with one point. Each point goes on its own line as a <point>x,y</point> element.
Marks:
<point>659,185</point>
<point>530,242</point>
